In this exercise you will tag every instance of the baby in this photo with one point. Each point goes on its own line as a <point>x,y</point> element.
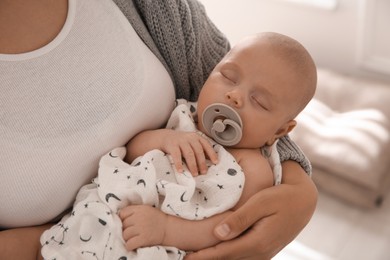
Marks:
<point>268,79</point>
<point>249,101</point>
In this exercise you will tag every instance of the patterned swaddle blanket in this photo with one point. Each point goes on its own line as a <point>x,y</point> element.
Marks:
<point>93,229</point>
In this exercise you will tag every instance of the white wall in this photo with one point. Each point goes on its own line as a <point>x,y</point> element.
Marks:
<point>333,37</point>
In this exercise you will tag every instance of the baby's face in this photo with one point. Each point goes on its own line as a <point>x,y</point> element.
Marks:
<point>255,83</point>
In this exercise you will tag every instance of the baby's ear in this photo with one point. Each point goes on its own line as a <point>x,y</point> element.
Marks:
<point>284,130</point>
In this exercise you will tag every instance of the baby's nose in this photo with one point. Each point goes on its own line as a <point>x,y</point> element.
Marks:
<point>234,98</point>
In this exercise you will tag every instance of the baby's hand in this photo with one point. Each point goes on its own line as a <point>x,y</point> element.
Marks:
<point>191,147</point>
<point>143,225</point>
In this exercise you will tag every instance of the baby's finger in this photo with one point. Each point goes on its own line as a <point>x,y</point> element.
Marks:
<point>209,150</point>
<point>133,243</point>
<point>190,158</point>
<point>126,212</point>
<point>176,156</point>
<point>200,156</point>
<point>129,233</point>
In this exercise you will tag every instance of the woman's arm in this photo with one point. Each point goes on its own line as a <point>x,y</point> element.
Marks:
<point>278,215</point>
<point>22,243</point>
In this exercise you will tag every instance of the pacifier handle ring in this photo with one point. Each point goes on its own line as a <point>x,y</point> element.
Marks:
<point>223,124</point>
<point>227,123</point>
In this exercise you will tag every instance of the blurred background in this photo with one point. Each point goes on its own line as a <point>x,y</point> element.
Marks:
<point>345,130</point>
<point>349,35</point>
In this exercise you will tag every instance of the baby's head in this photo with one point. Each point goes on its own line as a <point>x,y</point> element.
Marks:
<point>268,79</point>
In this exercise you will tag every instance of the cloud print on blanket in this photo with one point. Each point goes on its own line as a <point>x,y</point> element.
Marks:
<point>93,229</point>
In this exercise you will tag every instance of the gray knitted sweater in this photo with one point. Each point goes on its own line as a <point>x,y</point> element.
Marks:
<point>189,45</point>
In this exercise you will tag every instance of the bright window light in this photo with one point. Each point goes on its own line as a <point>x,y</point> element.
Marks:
<point>325,4</point>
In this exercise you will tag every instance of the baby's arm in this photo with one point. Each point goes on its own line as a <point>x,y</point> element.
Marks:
<point>188,145</point>
<point>257,170</point>
<point>145,225</point>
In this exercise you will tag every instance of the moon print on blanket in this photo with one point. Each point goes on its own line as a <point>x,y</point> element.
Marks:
<point>153,180</point>
<point>121,184</point>
<point>94,229</point>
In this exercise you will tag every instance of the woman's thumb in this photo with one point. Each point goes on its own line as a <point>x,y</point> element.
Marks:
<point>234,225</point>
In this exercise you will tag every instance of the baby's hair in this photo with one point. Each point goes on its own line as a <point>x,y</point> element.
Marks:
<point>293,52</point>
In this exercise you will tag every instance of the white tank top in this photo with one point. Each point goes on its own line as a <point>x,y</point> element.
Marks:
<point>66,104</point>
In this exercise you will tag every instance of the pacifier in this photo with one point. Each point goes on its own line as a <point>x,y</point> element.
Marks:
<point>223,124</point>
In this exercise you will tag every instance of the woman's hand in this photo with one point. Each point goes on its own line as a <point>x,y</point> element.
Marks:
<point>274,216</point>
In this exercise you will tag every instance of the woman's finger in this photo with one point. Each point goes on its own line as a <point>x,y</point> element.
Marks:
<point>262,241</point>
<point>253,210</point>
<point>239,248</point>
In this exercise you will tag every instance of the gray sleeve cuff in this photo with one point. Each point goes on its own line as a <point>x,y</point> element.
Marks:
<point>288,150</point>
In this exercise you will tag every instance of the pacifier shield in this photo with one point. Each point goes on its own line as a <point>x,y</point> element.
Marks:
<point>223,124</point>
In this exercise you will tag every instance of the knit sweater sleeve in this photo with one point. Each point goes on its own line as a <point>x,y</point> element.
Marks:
<point>187,40</point>
<point>288,150</point>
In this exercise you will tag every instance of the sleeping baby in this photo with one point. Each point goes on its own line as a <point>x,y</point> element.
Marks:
<point>161,196</point>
